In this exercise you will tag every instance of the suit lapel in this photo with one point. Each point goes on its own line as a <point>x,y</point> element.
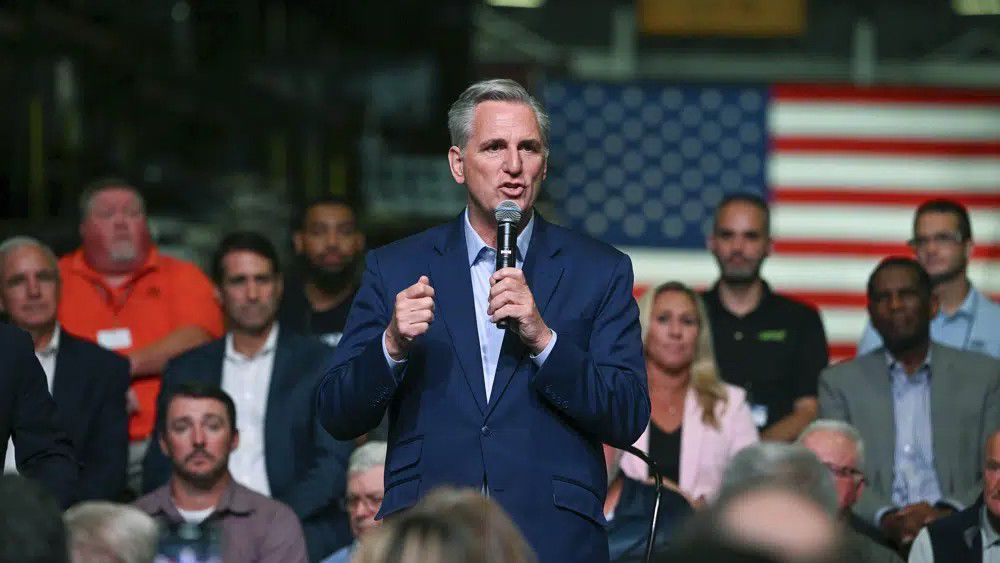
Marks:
<point>941,390</point>
<point>542,271</point>
<point>883,422</point>
<point>274,426</point>
<point>691,440</point>
<point>452,282</point>
<point>67,390</point>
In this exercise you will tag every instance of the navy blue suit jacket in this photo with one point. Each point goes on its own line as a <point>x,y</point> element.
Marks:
<point>89,388</point>
<point>537,443</point>
<point>306,467</point>
<point>28,414</point>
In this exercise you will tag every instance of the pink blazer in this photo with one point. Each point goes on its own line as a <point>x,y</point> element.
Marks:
<point>705,450</point>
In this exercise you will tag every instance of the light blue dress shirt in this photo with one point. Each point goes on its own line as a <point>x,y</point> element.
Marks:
<point>482,264</point>
<point>342,555</point>
<point>914,478</point>
<point>974,326</point>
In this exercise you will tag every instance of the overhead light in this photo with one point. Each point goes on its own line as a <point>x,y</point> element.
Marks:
<point>516,3</point>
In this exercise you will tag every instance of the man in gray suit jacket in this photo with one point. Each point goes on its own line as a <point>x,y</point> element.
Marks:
<point>924,410</point>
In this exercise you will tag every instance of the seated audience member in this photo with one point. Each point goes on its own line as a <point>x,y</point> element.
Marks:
<point>448,526</point>
<point>28,417</point>
<point>789,465</point>
<point>107,532</point>
<point>120,292</point>
<point>272,374</point>
<point>628,508</point>
<point>966,319</point>
<point>972,535</point>
<point>698,422</point>
<point>31,525</point>
<point>329,246</point>
<point>365,487</point>
<point>839,447</point>
<point>923,409</point>
<point>87,382</point>
<point>770,345</point>
<point>198,436</point>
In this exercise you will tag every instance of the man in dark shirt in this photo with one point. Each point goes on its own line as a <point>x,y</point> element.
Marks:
<point>330,246</point>
<point>772,346</point>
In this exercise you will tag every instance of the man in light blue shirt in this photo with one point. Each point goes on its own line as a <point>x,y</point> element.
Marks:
<point>967,318</point>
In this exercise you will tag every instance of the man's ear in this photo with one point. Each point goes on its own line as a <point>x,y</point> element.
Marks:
<point>235,442</point>
<point>297,242</point>
<point>456,163</point>
<point>935,305</point>
<point>163,446</point>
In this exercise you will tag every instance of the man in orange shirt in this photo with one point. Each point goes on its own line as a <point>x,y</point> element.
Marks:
<point>121,293</point>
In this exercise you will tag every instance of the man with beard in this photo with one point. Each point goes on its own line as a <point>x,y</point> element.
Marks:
<point>120,292</point>
<point>967,319</point>
<point>199,435</point>
<point>772,346</point>
<point>329,246</point>
<point>924,410</point>
<point>272,375</point>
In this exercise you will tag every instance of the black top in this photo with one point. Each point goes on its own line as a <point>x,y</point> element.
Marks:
<point>628,530</point>
<point>665,449</point>
<point>297,314</point>
<point>775,352</point>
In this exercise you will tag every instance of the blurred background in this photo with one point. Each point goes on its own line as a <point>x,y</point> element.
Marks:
<point>845,114</point>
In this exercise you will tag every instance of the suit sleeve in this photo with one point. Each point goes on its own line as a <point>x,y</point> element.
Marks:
<point>354,393</point>
<point>105,455</point>
<point>603,388</point>
<point>43,452</point>
<point>155,465</point>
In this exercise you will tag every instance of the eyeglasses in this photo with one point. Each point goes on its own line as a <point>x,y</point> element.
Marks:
<point>846,472</point>
<point>939,238</point>
<point>352,502</point>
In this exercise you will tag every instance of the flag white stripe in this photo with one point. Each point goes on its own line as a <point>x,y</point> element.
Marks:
<point>874,223</point>
<point>883,120</point>
<point>935,175</point>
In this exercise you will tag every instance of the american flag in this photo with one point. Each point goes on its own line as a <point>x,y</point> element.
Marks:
<point>643,165</point>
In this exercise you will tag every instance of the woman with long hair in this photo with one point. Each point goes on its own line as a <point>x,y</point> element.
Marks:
<point>698,422</point>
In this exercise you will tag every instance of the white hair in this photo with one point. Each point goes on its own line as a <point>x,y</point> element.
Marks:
<point>15,242</point>
<point>371,454</point>
<point>100,532</point>
<point>788,465</point>
<point>845,429</point>
<point>462,112</point>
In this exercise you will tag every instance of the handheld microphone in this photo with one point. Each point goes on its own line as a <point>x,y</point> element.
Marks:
<point>508,215</point>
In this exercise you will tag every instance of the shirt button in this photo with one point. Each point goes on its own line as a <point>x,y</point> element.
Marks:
<point>738,335</point>
<point>485,430</point>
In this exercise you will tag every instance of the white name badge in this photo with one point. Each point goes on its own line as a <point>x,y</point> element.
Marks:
<point>114,338</point>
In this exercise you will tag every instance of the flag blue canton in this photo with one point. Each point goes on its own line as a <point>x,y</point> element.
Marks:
<point>646,164</point>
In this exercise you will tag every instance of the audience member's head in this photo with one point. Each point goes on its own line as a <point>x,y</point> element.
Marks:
<point>991,477</point>
<point>741,237</point>
<point>839,447</point>
<point>365,486</point>
<point>942,239</point>
<point>113,226</point>
<point>677,339</point>
<point>247,273</point>
<point>329,242</point>
<point>790,465</point>
<point>105,532</point>
<point>199,433</point>
<point>29,284</point>
<point>900,303</point>
<point>31,525</point>
<point>447,526</point>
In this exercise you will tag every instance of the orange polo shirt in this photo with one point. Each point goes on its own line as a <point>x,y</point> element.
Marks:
<point>163,295</point>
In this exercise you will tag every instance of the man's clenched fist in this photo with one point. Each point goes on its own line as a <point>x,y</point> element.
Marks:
<point>411,317</point>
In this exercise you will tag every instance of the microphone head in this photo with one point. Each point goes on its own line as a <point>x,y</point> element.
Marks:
<point>507,212</point>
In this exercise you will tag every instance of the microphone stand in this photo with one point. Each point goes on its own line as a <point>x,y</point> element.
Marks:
<point>656,504</point>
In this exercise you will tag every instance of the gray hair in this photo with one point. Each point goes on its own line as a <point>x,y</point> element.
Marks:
<point>787,465</point>
<point>91,190</point>
<point>371,454</point>
<point>845,429</point>
<point>15,242</point>
<point>462,112</point>
<point>107,532</point>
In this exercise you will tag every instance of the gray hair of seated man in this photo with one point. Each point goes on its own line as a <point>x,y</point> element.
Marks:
<point>15,242</point>
<point>839,426</point>
<point>788,465</point>
<point>107,532</point>
<point>462,112</point>
<point>371,454</point>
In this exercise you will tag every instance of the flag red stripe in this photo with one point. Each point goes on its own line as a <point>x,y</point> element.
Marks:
<point>882,94</point>
<point>866,248</point>
<point>912,198</point>
<point>909,147</point>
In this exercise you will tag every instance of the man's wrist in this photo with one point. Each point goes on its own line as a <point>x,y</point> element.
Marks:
<point>392,347</point>
<point>540,346</point>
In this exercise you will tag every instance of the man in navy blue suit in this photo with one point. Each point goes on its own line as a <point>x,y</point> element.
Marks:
<point>272,375</point>
<point>521,413</point>
<point>87,382</point>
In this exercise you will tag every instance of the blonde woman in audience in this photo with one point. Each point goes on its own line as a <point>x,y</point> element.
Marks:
<point>105,532</point>
<point>698,422</point>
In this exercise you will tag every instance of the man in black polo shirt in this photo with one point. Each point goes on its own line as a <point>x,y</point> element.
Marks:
<point>330,247</point>
<point>772,346</point>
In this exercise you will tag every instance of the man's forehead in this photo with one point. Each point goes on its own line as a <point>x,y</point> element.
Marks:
<point>195,406</point>
<point>493,112</point>
<point>937,220</point>
<point>113,195</point>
